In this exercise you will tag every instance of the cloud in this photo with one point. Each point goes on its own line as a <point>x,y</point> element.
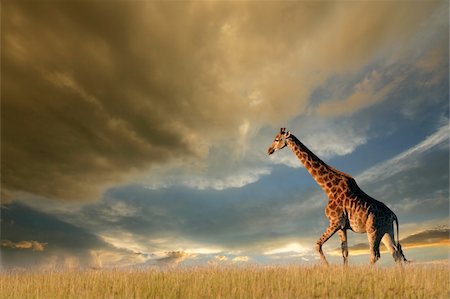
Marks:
<point>174,257</point>
<point>407,159</point>
<point>428,237</point>
<point>194,221</point>
<point>228,259</point>
<point>201,181</point>
<point>33,245</point>
<point>60,244</point>
<point>118,210</point>
<point>289,248</point>
<point>241,258</point>
<point>365,93</point>
<point>221,258</point>
<point>96,94</point>
<point>382,81</point>
<point>330,138</point>
<point>434,62</point>
<point>327,138</point>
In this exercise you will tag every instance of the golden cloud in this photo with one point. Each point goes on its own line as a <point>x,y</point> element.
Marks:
<point>174,257</point>
<point>365,94</point>
<point>33,245</point>
<point>95,94</point>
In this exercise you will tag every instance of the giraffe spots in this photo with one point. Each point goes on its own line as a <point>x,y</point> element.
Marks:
<point>313,172</point>
<point>321,169</point>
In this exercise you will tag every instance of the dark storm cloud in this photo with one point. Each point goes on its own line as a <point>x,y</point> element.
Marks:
<point>71,109</point>
<point>96,93</point>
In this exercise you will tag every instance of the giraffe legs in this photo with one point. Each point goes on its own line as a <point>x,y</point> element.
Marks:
<point>388,241</point>
<point>374,245</point>
<point>331,230</point>
<point>344,246</point>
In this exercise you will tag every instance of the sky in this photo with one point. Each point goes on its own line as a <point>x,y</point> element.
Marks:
<point>135,133</point>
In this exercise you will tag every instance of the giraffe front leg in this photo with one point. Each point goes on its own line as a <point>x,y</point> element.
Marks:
<point>344,245</point>
<point>331,230</point>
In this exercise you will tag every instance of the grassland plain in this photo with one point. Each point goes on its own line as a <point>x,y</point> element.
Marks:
<point>233,282</point>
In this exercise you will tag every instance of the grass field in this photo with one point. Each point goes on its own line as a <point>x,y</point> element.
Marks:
<point>233,282</point>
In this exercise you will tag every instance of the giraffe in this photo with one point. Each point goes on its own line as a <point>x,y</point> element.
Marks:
<point>348,207</point>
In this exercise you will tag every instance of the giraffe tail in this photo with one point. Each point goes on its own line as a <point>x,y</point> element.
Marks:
<point>399,256</point>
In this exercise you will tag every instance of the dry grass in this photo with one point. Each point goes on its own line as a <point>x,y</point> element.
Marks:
<point>233,282</point>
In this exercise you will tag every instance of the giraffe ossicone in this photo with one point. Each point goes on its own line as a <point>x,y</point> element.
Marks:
<point>348,206</point>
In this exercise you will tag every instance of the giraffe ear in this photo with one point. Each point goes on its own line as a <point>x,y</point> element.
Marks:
<point>288,134</point>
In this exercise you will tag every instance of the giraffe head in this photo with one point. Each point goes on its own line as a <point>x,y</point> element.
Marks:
<point>280,141</point>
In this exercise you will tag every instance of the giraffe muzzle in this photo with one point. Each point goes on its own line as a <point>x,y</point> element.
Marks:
<point>270,151</point>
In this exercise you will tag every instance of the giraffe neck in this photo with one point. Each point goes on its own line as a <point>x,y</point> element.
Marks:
<point>326,176</point>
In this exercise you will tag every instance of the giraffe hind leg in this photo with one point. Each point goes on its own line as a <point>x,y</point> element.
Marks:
<point>374,244</point>
<point>388,241</point>
<point>331,230</point>
<point>400,257</point>
<point>395,250</point>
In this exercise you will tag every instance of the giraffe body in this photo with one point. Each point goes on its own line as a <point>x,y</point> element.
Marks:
<point>348,207</point>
